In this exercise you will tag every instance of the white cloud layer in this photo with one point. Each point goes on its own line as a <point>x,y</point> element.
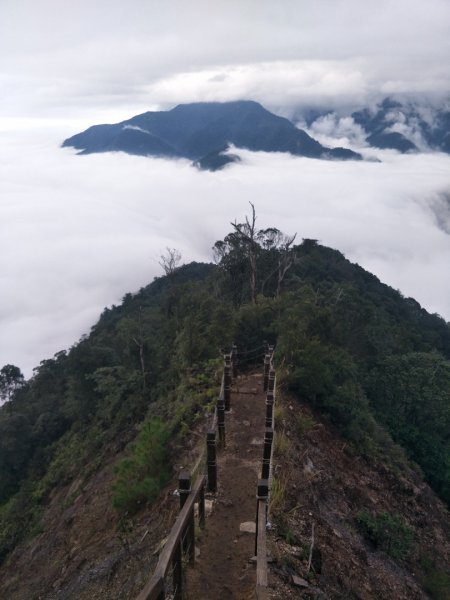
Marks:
<point>78,232</point>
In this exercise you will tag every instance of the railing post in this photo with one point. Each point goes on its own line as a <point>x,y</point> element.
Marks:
<point>211,461</point>
<point>201,507</point>
<point>267,453</point>
<point>177,563</point>
<point>271,381</point>
<point>184,486</point>
<point>262,493</point>
<point>227,382</point>
<point>184,489</point>
<point>191,538</point>
<point>266,371</point>
<point>269,409</point>
<point>162,594</point>
<point>234,361</point>
<point>221,421</point>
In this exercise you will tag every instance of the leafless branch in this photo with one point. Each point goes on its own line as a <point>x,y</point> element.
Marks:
<point>170,260</point>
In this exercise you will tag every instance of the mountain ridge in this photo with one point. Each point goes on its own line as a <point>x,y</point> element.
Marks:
<point>365,428</point>
<point>404,125</point>
<point>202,132</point>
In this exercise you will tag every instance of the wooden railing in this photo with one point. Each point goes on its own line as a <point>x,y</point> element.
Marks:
<point>181,541</point>
<point>167,580</point>
<point>265,483</point>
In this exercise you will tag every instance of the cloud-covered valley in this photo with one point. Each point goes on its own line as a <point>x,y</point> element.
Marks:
<point>78,232</point>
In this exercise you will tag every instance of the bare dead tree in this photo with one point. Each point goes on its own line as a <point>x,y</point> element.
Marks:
<point>248,233</point>
<point>286,259</point>
<point>286,256</point>
<point>170,260</point>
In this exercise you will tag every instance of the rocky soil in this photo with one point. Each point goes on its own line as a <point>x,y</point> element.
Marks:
<point>316,535</point>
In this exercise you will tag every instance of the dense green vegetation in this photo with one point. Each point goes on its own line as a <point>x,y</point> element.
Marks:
<point>141,475</point>
<point>84,406</point>
<point>374,363</point>
<point>436,581</point>
<point>386,532</point>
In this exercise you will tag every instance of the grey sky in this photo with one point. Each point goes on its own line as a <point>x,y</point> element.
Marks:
<point>67,59</point>
<point>76,233</point>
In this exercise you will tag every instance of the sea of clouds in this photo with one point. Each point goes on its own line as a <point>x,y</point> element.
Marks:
<point>78,232</point>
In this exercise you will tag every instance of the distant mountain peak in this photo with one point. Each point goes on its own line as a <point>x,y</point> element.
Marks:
<point>405,125</point>
<point>200,131</point>
<point>402,124</point>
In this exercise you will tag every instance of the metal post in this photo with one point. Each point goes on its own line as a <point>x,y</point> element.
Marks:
<point>211,461</point>
<point>267,453</point>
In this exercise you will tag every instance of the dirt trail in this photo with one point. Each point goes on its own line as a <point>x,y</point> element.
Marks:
<point>222,570</point>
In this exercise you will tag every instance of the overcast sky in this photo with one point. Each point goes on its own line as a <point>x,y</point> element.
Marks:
<point>79,232</point>
<point>84,59</point>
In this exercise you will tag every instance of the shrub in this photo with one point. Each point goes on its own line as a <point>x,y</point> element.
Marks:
<point>141,476</point>
<point>282,445</point>
<point>278,417</point>
<point>278,493</point>
<point>386,532</point>
<point>436,582</point>
<point>303,423</point>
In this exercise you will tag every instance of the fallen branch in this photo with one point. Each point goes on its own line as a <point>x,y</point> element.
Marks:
<point>311,549</point>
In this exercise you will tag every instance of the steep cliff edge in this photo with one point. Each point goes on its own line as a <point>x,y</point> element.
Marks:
<point>348,526</point>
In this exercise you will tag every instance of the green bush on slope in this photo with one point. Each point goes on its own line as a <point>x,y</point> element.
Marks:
<point>386,532</point>
<point>141,475</point>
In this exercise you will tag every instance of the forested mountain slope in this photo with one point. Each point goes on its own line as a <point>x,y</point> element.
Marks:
<point>372,365</point>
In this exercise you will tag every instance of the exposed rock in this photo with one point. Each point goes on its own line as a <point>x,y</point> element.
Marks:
<point>248,527</point>
<point>299,581</point>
